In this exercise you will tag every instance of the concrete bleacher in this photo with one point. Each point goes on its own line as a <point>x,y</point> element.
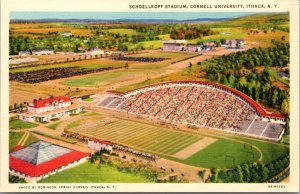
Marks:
<point>115,103</point>
<point>257,127</point>
<point>106,101</point>
<point>246,124</point>
<point>273,130</point>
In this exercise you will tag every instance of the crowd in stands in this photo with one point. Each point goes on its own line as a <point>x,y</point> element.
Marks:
<point>202,106</point>
<point>199,105</point>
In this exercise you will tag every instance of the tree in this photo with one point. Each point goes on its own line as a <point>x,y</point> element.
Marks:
<point>274,97</point>
<point>126,66</point>
<point>240,176</point>
<point>246,172</point>
<point>285,106</point>
<point>224,80</point>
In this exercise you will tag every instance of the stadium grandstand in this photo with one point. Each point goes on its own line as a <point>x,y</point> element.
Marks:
<point>203,104</point>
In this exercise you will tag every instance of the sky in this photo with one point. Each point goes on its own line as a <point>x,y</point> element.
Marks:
<point>126,15</point>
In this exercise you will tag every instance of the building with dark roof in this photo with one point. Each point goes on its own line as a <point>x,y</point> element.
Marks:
<point>41,159</point>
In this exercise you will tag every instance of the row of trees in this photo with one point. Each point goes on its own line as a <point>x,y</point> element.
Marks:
<point>191,32</point>
<point>250,172</point>
<point>238,71</point>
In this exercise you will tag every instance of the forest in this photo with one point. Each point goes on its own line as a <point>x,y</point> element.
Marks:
<point>238,70</point>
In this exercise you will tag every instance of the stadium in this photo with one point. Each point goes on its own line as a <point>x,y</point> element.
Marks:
<point>203,104</point>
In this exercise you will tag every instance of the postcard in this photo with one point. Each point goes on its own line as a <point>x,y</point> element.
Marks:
<point>139,96</point>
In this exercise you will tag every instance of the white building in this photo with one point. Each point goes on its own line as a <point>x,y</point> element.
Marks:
<point>24,53</point>
<point>98,145</point>
<point>94,51</point>
<point>51,108</point>
<point>67,34</point>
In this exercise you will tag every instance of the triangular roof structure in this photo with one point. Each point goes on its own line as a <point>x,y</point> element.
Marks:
<point>42,157</point>
<point>40,152</point>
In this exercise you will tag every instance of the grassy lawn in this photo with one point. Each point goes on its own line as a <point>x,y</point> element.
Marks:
<point>54,125</point>
<point>223,154</point>
<point>18,124</point>
<point>73,124</point>
<point>101,79</point>
<point>142,136</point>
<point>88,99</point>
<point>14,138</point>
<point>123,31</point>
<point>90,173</point>
<point>31,139</point>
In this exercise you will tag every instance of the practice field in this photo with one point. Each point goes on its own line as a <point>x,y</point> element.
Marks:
<point>90,173</point>
<point>224,154</point>
<point>142,136</point>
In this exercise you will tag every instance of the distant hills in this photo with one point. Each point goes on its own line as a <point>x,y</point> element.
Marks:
<point>199,20</point>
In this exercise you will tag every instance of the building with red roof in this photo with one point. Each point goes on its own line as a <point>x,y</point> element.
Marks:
<point>42,159</point>
<point>50,108</point>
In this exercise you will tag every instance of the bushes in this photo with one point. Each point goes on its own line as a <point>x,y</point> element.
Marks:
<point>250,172</point>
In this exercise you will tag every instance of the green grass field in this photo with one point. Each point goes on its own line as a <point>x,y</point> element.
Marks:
<point>90,173</point>
<point>100,79</point>
<point>18,124</point>
<point>88,99</point>
<point>226,152</point>
<point>143,136</point>
<point>14,138</point>
<point>54,125</point>
<point>123,31</point>
<point>223,154</point>
<point>31,139</point>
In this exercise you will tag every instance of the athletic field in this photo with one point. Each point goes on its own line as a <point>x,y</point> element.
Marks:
<point>193,149</point>
<point>142,136</point>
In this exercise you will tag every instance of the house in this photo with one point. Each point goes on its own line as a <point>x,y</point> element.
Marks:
<point>94,51</point>
<point>43,52</point>
<point>67,34</point>
<point>234,44</point>
<point>24,53</point>
<point>98,145</point>
<point>174,45</point>
<point>193,48</point>
<point>208,46</point>
<point>41,159</point>
<point>47,109</point>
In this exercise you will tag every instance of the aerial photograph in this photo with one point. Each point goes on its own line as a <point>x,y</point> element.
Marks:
<point>158,97</point>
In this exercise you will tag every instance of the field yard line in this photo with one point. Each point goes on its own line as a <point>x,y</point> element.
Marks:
<point>192,149</point>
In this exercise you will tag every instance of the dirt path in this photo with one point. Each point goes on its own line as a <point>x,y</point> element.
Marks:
<point>196,147</point>
<point>24,138</point>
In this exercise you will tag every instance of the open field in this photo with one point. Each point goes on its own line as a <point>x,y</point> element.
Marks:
<point>18,124</point>
<point>14,138</point>
<point>123,31</point>
<point>264,40</point>
<point>90,173</point>
<point>31,31</point>
<point>54,125</point>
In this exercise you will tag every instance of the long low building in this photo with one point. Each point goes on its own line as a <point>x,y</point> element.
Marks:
<point>42,159</point>
<point>51,108</point>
